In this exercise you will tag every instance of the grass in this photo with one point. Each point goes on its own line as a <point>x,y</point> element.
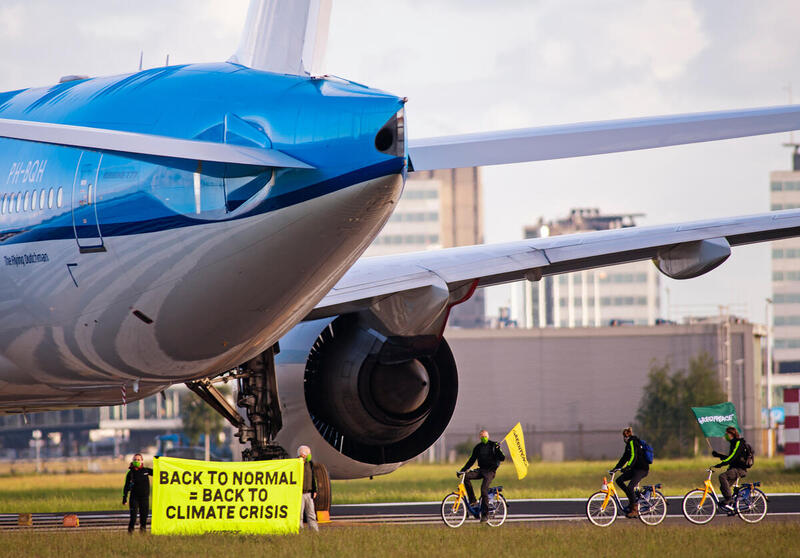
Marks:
<point>665,541</point>
<point>414,482</point>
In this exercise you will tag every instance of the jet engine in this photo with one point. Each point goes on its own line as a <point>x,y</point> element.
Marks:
<point>365,403</point>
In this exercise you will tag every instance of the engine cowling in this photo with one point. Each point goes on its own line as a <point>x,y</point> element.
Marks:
<point>365,403</point>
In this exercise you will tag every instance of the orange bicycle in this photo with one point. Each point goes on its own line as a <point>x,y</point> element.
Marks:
<point>701,504</point>
<point>455,506</point>
<point>603,506</point>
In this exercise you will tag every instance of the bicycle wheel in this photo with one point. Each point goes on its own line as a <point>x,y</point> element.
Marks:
<point>653,510</point>
<point>497,511</point>
<point>754,508</point>
<point>454,511</point>
<point>602,517</point>
<point>698,510</point>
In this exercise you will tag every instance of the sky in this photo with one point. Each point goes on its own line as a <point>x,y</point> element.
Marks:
<point>472,66</point>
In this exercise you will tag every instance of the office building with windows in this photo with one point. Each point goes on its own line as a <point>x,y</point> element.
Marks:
<point>785,194</point>
<point>621,294</point>
<point>438,209</point>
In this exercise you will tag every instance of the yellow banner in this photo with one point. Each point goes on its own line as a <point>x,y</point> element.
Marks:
<point>516,447</point>
<point>191,497</point>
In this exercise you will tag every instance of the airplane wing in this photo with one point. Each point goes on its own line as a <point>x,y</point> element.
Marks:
<point>593,138</point>
<point>115,141</point>
<point>285,37</point>
<point>681,251</point>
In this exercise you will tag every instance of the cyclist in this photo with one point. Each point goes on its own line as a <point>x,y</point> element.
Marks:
<point>736,462</point>
<point>634,467</point>
<point>488,455</point>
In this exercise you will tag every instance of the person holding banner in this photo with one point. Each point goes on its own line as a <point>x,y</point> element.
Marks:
<point>307,511</point>
<point>736,462</point>
<point>137,484</point>
<point>634,467</point>
<point>488,455</point>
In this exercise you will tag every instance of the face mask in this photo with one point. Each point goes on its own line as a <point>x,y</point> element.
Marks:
<point>308,458</point>
<point>484,439</point>
<point>728,437</point>
<point>137,463</point>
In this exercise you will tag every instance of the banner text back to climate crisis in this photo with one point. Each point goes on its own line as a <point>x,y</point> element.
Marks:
<point>192,497</point>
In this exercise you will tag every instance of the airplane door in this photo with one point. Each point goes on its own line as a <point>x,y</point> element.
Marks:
<point>84,203</point>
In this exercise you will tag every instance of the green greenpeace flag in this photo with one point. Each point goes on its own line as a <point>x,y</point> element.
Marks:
<point>715,419</point>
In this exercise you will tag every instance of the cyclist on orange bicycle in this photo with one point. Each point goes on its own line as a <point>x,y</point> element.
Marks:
<point>634,467</point>
<point>488,455</point>
<point>736,460</point>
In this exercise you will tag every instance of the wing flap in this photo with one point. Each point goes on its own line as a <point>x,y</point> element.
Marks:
<point>115,141</point>
<point>594,138</point>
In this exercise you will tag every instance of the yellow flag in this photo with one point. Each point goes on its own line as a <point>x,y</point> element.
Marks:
<point>516,446</point>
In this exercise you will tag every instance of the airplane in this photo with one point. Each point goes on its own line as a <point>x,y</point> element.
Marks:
<point>199,223</point>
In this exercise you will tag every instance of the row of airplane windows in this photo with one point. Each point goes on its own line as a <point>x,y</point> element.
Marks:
<point>17,202</point>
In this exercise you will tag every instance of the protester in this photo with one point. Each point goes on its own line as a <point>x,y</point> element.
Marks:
<point>488,455</point>
<point>634,467</point>
<point>137,484</point>
<point>307,511</point>
<point>736,460</point>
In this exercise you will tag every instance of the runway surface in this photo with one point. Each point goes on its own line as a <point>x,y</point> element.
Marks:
<point>781,506</point>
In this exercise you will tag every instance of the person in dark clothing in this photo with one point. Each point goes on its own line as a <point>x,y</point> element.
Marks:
<point>735,460</point>
<point>137,485</point>
<point>488,455</point>
<point>307,511</point>
<point>634,467</point>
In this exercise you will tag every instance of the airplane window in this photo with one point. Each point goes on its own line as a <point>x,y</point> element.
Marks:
<point>19,202</point>
<point>50,196</point>
<point>33,200</point>
<point>42,198</point>
<point>60,196</point>
<point>3,205</point>
<point>11,203</point>
<point>89,196</point>
<point>25,201</point>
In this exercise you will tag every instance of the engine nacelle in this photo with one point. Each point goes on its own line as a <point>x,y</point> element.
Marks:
<point>363,402</point>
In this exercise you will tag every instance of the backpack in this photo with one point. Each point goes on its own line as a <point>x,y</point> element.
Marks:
<point>647,449</point>
<point>748,456</point>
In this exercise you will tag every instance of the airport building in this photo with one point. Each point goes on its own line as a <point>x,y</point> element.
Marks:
<point>94,430</point>
<point>574,390</point>
<point>785,194</point>
<point>438,209</point>
<point>622,294</point>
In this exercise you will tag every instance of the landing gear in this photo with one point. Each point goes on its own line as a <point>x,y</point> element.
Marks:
<point>258,395</point>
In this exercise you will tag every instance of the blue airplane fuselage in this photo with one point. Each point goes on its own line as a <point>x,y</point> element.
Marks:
<point>123,267</point>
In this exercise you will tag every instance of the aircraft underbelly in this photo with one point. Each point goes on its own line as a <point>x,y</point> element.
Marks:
<point>165,307</point>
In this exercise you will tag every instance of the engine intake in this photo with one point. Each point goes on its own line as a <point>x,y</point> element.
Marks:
<point>376,399</point>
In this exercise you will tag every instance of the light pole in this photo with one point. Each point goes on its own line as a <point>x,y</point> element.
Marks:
<point>768,318</point>
<point>37,440</point>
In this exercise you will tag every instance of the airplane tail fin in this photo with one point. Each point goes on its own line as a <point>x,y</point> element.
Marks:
<point>286,37</point>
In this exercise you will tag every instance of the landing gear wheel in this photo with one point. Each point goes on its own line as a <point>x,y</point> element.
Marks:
<point>754,508</point>
<point>653,510</point>
<point>323,500</point>
<point>597,514</point>
<point>699,507</point>
<point>454,510</point>
<point>497,511</point>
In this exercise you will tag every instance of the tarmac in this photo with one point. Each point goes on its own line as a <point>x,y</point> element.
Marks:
<point>780,507</point>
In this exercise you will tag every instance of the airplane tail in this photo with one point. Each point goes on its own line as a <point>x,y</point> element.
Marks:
<point>286,37</point>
